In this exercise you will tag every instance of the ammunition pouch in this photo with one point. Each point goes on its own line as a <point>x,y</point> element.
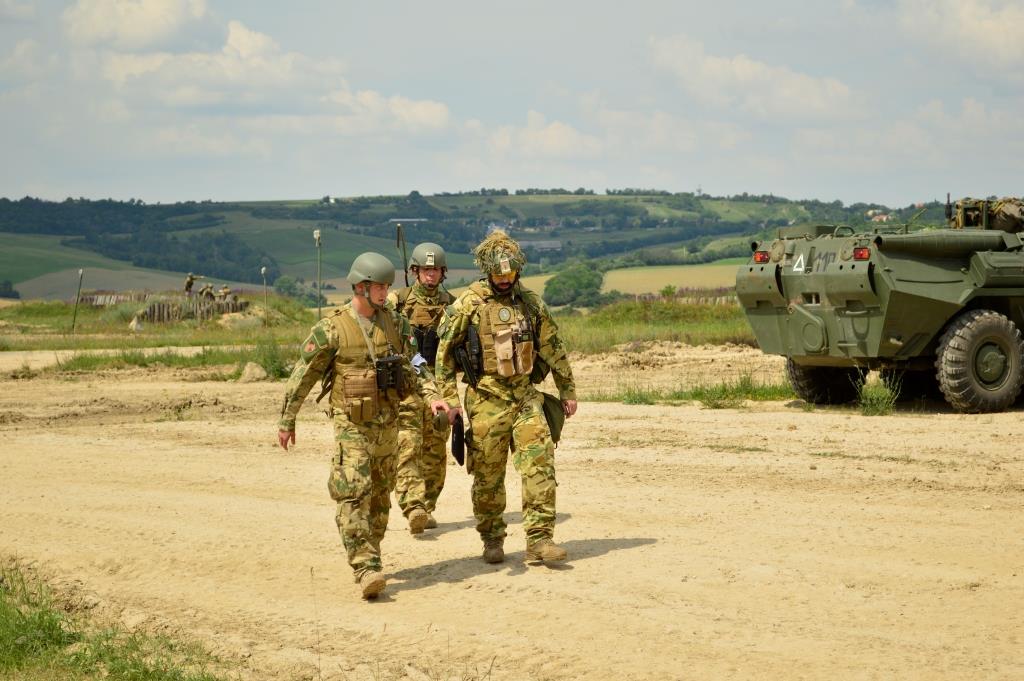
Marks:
<point>360,395</point>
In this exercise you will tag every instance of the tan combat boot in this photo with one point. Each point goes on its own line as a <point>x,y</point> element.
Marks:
<point>431,523</point>
<point>545,551</point>
<point>493,551</point>
<point>372,584</point>
<point>417,520</point>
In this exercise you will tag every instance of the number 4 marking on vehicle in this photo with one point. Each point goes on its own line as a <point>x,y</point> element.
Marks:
<point>798,266</point>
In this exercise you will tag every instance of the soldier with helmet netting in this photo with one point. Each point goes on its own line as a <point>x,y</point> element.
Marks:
<point>503,339</point>
<point>362,355</point>
<point>422,439</point>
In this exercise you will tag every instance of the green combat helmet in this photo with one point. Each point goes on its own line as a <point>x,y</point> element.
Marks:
<point>499,253</point>
<point>428,254</point>
<point>373,267</point>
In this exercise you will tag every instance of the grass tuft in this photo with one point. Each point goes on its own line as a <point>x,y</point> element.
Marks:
<point>877,398</point>
<point>39,640</point>
<point>727,395</point>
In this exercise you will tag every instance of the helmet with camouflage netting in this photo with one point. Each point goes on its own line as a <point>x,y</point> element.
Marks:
<point>428,254</point>
<point>373,267</point>
<point>499,253</point>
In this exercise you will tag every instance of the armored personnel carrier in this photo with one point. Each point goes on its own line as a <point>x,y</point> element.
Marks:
<point>934,310</point>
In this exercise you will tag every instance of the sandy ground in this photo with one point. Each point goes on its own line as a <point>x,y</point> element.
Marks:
<point>768,542</point>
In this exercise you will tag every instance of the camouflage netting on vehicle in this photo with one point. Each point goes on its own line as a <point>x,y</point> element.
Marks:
<point>499,253</point>
<point>1006,214</point>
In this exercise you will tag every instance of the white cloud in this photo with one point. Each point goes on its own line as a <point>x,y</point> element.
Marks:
<point>984,31</point>
<point>749,85</point>
<point>541,139</point>
<point>367,111</point>
<point>26,63</point>
<point>132,25</point>
<point>12,10</point>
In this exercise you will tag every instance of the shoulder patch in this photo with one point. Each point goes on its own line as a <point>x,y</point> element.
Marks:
<point>317,341</point>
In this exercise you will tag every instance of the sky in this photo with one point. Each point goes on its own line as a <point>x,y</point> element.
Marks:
<point>878,101</point>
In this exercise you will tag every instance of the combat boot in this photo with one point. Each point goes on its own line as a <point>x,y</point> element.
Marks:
<point>545,551</point>
<point>493,550</point>
<point>372,583</point>
<point>431,523</point>
<point>417,520</point>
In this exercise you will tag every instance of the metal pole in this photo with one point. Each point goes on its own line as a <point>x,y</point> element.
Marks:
<point>74,317</point>
<point>316,237</point>
<point>266,308</point>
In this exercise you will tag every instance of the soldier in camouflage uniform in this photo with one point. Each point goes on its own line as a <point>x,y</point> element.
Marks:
<point>366,351</point>
<point>505,410</point>
<point>422,440</point>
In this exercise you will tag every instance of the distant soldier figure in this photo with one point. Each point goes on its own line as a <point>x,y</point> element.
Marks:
<point>422,441</point>
<point>189,281</point>
<point>224,293</point>
<point>206,291</point>
<point>365,353</point>
<point>504,340</point>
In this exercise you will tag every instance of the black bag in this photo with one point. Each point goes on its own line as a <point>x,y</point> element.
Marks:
<point>554,414</point>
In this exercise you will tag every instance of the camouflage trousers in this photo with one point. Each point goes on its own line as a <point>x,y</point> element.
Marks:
<point>362,477</point>
<point>498,426</point>
<point>422,457</point>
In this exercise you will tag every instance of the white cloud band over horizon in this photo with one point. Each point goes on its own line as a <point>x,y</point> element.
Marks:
<point>165,100</point>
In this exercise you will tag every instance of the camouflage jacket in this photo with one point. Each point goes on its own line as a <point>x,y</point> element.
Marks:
<point>317,354</point>
<point>465,312</point>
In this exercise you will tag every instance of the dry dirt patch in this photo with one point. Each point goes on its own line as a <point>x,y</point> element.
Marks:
<point>764,542</point>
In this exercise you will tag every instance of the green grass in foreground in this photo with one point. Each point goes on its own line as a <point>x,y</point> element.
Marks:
<point>719,396</point>
<point>267,353</point>
<point>41,642</point>
<point>46,325</point>
<point>693,324</point>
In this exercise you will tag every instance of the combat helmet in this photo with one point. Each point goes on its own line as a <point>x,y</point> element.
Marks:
<point>428,254</point>
<point>499,253</point>
<point>373,267</point>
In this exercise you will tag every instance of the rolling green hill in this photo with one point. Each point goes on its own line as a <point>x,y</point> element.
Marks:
<point>231,241</point>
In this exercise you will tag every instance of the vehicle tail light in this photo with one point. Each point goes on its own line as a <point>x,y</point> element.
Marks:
<point>862,253</point>
<point>762,257</point>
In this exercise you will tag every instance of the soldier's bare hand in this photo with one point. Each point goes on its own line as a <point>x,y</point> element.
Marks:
<point>569,406</point>
<point>437,406</point>
<point>452,413</point>
<point>284,437</point>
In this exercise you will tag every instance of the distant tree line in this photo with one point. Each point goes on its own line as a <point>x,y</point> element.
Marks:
<point>142,234</point>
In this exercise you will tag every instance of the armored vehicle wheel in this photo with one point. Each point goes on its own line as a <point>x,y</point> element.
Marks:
<point>979,362</point>
<point>911,385</point>
<point>824,385</point>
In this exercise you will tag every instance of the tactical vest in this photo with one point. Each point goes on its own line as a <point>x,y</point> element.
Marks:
<point>506,335</point>
<point>355,387</point>
<point>424,318</point>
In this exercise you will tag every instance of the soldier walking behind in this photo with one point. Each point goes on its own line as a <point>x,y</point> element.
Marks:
<point>364,353</point>
<point>498,332</point>
<point>422,440</point>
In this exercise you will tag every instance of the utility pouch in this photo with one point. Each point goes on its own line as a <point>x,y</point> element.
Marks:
<point>360,394</point>
<point>524,356</point>
<point>504,351</point>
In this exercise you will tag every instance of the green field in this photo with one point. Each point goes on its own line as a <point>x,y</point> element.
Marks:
<point>638,280</point>
<point>26,256</point>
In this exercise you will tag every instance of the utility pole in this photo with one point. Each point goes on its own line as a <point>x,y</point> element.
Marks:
<point>316,238</point>
<point>74,317</point>
<point>266,307</point>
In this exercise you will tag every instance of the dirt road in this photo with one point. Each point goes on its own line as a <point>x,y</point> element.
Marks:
<point>768,542</point>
